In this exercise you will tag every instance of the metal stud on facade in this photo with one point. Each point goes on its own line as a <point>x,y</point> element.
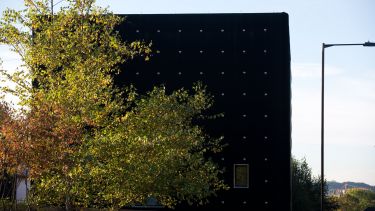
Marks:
<point>244,159</point>
<point>265,29</point>
<point>179,73</point>
<point>243,30</point>
<point>244,72</point>
<point>222,30</point>
<point>222,51</point>
<point>158,31</point>
<point>265,73</point>
<point>222,73</point>
<point>201,51</point>
<point>265,116</point>
<point>244,115</point>
<point>179,30</point>
<point>200,30</point>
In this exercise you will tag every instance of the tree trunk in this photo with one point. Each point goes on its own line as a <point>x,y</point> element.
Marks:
<point>68,204</point>
<point>14,192</point>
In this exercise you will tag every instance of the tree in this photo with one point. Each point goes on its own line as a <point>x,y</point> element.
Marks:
<point>11,155</point>
<point>6,185</point>
<point>157,152</point>
<point>306,189</point>
<point>154,150</point>
<point>87,142</point>
<point>356,199</point>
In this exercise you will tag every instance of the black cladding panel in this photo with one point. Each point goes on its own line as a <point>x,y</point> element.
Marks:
<point>244,59</point>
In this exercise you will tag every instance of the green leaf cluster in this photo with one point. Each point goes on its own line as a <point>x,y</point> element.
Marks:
<point>356,199</point>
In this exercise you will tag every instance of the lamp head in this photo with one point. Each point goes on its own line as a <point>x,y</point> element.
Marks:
<point>369,44</point>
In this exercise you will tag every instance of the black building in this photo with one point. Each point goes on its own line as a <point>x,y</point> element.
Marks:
<point>244,59</point>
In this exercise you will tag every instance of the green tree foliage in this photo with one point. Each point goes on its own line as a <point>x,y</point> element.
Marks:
<point>153,150</point>
<point>86,142</point>
<point>356,199</point>
<point>164,156</point>
<point>306,189</point>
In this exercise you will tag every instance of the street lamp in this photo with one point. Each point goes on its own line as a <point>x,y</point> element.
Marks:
<point>324,46</point>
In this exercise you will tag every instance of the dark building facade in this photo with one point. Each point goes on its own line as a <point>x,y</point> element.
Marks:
<point>244,60</point>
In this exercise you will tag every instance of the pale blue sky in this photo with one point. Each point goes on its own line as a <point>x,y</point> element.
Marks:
<point>350,73</point>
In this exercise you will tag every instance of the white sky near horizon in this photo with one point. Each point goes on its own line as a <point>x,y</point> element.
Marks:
<point>350,73</point>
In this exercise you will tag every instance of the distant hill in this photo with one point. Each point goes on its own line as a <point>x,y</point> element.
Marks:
<point>337,188</point>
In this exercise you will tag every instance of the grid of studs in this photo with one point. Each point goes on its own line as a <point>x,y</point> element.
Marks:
<point>202,51</point>
<point>266,94</point>
<point>222,94</point>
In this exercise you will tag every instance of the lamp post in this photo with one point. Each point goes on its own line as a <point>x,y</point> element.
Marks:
<point>324,46</point>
